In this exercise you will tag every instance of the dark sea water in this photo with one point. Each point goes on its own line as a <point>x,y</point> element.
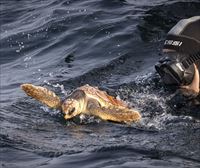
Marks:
<point>112,44</point>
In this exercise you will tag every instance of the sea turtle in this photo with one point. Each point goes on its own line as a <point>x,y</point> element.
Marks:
<point>85,100</point>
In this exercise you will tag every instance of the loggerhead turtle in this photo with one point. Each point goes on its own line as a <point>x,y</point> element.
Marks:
<point>85,100</point>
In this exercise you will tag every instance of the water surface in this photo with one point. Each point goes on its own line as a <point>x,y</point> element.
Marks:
<point>111,44</point>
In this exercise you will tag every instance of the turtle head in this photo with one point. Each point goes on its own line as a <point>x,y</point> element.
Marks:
<point>70,108</point>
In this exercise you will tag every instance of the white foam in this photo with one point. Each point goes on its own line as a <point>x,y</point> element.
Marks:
<point>52,112</point>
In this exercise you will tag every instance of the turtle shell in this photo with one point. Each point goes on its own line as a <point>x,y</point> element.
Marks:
<point>101,96</point>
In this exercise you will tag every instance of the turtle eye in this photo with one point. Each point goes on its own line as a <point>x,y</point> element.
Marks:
<point>71,111</point>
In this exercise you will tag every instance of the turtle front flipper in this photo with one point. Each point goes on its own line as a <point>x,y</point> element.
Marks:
<point>43,95</point>
<point>115,114</point>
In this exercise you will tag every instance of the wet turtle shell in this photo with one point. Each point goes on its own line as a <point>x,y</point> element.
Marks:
<point>101,96</point>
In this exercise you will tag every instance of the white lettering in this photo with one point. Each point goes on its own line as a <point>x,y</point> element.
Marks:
<point>174,43</point>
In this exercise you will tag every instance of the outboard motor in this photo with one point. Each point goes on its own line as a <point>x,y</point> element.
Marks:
<point>181,50</point>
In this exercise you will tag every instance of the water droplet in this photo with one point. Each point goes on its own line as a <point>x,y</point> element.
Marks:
<point>51,74</point>
<point>28,35</point>
<point>27,58</point>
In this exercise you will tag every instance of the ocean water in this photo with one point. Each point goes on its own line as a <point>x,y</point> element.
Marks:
<point>112,44</point>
